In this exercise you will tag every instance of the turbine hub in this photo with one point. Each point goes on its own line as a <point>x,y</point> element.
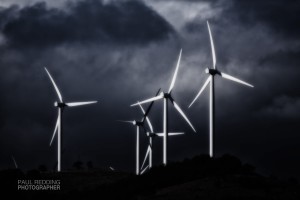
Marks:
<point>138,123</point>
<point>166,95</point>
<point>59,105</point>
<point>211,71</point>
<point>152,134</point>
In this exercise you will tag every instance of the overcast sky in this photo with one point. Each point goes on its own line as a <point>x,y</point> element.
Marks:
<point>118,52</point>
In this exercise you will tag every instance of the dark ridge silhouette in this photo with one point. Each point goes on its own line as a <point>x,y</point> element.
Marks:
<point>200,177</point>
<point>78,165</point>
<point>90,165</point>
<point>42,168</point>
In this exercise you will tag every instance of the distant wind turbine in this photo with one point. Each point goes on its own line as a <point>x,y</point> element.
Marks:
<point>111,168</point>
<point>15,163</point>
<point>139,124</point>
<point>167,96</point>
<point>151,134</point>
<point>58,127</point>
<point>212,72</point>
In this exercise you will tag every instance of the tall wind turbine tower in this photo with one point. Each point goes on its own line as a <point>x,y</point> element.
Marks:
<point>58,127</point>
<point>212,71</point>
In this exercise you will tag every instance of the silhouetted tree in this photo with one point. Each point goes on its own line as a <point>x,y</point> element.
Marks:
<point>248,169</point>
<point>78,165</point>
<point>54,168</point>
<point>42,168</point>
<point>89,165</point>
<point>34,173</point>
<point>293,181</point>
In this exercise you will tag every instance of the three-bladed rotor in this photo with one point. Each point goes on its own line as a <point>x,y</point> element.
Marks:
<point>168,95</point>
<point>214,71</point>
<point>60,104</point>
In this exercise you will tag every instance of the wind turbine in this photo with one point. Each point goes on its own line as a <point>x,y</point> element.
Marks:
<point>167,96</point>
<point>139,124</point>
<point>151,134</point>
<point>15,163</point>
<point>58,127</point>
<point>212,72</point>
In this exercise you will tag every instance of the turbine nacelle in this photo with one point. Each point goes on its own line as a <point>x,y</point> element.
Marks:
<point>137,123</point>
<point>165,95</point>
<point>59,105</point>
<point>150,134</point>
<point>212,71</point>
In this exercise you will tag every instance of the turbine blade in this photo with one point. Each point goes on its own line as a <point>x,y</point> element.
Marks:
<point>72,104</point>
<point>149,100</point>
<point>143,171</point>
<point>55,130</point>
<point>182,114</point>
<point>149,124</point>
<point>55,86</point>
<point>111,168</point>
<point>159,134</point>
<point>147,118</point>
<point>15,163</point>
<point>169,134</point>
<point>142,109</point>
<point>212,47</point>
<point>146,156</point>
<point>124,121</point>
<point>235,79</point>
<point>201,90</point>
<point>175,73</point>
<point>150,106</point>
<point>178,133</point>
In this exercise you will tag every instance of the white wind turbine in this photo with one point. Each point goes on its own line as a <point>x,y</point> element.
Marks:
<point>139,124</point>
<point>15,163</point>
<point>58,127</point>
<point>167,96</point>
<point>150,136</point>
<point>212,72</point>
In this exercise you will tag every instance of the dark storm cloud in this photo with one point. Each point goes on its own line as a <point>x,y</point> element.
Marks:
<point>83,21</point>
<point>281,15</point>
<point>282,58</point>
<point>119,52</point>
<point>91,48</point>
<point>283,108</point>
<point>278,60</point>
<point>256,41</point>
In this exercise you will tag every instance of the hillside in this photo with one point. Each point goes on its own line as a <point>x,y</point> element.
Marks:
<point>198,178</point>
